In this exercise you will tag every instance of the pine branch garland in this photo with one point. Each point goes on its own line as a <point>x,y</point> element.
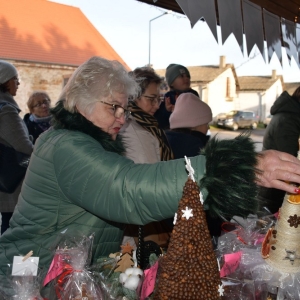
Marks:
<point>230,176</point>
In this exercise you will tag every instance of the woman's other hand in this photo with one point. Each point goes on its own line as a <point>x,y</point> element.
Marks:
<point>278,170</point>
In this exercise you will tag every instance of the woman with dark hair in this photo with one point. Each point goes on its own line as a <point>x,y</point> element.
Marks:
<point>282,134</point>
<point>13,132</point>
<point>38,118</point>
<point>145,142</point>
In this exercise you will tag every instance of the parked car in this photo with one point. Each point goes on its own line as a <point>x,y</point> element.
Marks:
<point>267,120</point>
<point>217,117</point>
<point>236,119</point>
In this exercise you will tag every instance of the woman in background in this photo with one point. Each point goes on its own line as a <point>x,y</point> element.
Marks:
<point>13,132</point>
<point>38,118</point>
<point>146,143</point>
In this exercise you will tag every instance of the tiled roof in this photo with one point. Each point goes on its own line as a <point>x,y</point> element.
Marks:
<point>202,74</point>
<point>256,83</point>
<point>46,32</point>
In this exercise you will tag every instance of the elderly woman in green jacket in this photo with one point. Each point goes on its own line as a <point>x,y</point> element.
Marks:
<point>78,179</point>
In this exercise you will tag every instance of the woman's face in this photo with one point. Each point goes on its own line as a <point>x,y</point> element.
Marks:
<point>150,100</point>
<point>182,82</point>
<point>103,115</point>
<point>12,85</point>
<point>41,106</point>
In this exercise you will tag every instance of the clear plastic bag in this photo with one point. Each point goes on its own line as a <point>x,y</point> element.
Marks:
<point>27,287</point>
<point>70,266</point>
<point>235,289</point>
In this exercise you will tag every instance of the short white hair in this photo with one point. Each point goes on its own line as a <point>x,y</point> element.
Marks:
<point>97,78</point>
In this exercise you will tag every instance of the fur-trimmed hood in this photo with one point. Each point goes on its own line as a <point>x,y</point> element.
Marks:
<point>63,119</point>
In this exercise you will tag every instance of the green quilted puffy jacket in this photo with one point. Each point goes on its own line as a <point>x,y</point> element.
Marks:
<point>78,181</point>
<point>73,183</point>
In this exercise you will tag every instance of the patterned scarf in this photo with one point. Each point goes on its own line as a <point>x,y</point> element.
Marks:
<point>42,122</point>
<point>149,123</point>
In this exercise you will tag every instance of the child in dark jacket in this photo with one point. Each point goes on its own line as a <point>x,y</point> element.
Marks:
<point>189,126</point>
<point>179,80</point>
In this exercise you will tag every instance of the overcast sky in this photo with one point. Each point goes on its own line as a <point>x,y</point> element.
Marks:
<point>125,25</point>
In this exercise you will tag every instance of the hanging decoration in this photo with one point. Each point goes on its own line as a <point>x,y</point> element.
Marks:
<point>298,41</point>
<point>195,10</point>
<point>289,39</point>
<point>246,18</point>
<point>230,17</point>
<point>272,34</point>
<point>253,26</point>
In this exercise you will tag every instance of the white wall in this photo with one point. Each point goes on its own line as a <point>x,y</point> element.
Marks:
<point>217,93</point>
<point>259,101</point>
<point>271,95</point>
<point>248,101</point>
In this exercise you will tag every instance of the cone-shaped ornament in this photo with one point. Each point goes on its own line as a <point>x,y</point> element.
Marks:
<point>189,270</point>
<point>281,246</point>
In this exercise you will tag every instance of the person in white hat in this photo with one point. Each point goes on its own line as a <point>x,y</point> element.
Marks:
<point>13,132</point>
<point>188,135</point>
<point>189,125</point>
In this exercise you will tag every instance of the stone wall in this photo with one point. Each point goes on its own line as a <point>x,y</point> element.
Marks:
<point>36,76</point>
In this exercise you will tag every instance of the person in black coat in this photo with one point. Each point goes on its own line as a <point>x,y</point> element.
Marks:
<point>282,134</point>
<point>38,120</point>
<point>13,133</point>
<point>179,81</point>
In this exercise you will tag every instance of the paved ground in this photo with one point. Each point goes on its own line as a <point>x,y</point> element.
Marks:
<point>257,135</point>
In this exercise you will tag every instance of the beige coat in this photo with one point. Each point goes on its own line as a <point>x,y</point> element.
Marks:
<point>14,133</point>
<point>141,146</point>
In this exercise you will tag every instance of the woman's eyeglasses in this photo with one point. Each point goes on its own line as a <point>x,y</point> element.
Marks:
<point>155,100</point>
<point>119,111</point>
<point>45,102</point>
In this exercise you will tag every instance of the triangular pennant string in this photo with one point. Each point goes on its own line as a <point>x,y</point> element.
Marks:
<point>230,16</point>
<point>289,39</point>
<point>205,9</point>
<point>298,41</point>
<point>184,5</point>
<point>272,34</point>
<point>253,26</point>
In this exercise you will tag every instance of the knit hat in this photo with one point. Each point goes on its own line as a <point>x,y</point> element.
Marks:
<point>190,111</point>
<point>7,71</point>
<point>173,71</point>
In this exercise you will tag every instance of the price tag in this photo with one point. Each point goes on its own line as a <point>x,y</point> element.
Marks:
<point>231,263</point>
<point>149,281</point>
